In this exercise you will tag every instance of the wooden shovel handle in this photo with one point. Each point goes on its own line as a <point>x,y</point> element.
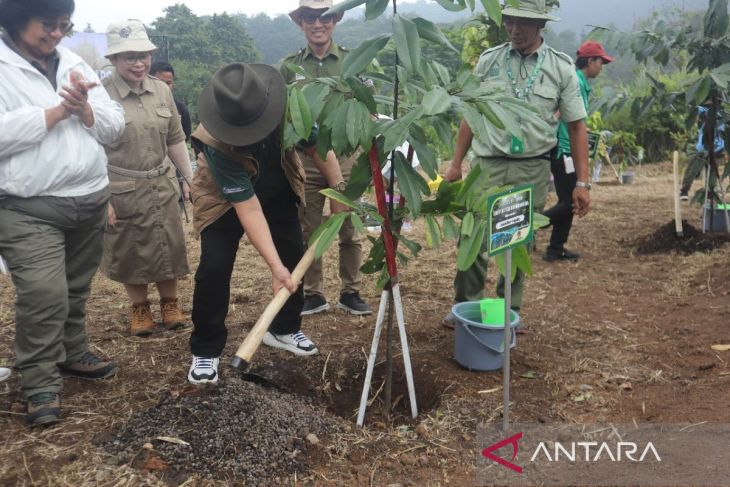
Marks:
<point>253,340</point>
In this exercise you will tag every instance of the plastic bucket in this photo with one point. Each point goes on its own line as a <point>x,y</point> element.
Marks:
<point>627,177</point>
<point>478,346</point>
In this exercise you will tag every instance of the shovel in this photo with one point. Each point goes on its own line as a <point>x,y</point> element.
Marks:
<point>244,354</point>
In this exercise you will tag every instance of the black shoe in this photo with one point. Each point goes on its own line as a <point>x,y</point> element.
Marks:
<point>314,304</point>
<point>551,255</point>
<point>353,303</point>
<point>44,408</point>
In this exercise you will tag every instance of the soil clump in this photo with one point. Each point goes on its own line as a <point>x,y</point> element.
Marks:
<point>665,240</point>
<point>237,430</point>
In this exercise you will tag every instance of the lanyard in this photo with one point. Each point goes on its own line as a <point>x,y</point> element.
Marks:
<point>521,93</point>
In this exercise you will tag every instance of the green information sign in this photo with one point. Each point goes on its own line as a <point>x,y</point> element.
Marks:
<point>511,219</point>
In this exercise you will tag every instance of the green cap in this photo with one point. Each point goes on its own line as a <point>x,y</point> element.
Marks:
<point>529,9</point>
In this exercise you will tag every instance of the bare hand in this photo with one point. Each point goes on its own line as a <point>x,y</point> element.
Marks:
<point>453,173</point>
<point>337,207</point>
<point>76,98</point>
<point>111,218</point>
<point>581,201</point>
<point>280,277</point>
<point>186,192</point>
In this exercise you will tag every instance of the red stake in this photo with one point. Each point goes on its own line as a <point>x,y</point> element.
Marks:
<point>382,210</point>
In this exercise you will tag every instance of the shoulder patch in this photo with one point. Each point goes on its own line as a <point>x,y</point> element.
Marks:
<point>562,55</point>
<point>495,48</point>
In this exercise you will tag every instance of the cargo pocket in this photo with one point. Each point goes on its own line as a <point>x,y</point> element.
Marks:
<point>163,119</point>
<point>123,199</point>
<point>546,98</point>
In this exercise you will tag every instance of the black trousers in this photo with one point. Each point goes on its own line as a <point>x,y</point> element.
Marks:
<point>561,215</point>
<point>218,246</point>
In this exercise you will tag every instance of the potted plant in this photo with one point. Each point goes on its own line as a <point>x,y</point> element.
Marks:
<point>625,149</point>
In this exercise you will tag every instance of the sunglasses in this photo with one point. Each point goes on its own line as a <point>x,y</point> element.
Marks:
<point>132,59</point>
<point>51,27</point>
<point>311,18</point>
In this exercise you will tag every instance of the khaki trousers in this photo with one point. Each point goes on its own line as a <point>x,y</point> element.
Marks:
<point>350,246</point>
<point>53,247</point>
<point>469,284</point>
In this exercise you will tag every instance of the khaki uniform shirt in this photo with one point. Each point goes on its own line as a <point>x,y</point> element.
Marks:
<point>147,244</point>
<point>555,88</point>
<point>330,65</point>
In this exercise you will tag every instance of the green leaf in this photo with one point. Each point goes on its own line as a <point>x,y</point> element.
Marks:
<point>489,114</point>
<point>442,72</point>
<point>375,8</point>
<point>344,6</point>
<point>328,235</point>
<point>414,247</point>
<point>360,177</point>
<point>699,92</point>
<point>433,232</point>
<point>407,43</point>
<point>470,247</point>
<point>361,57</point>
<point>300,115</point>
<point>452,5</point>
<point>426,156</point>
<point>494,10</point>
<point>357,223</point>
<point>521,259</point>
<point>436,101</point>
<point>337,121</point>
<point>316,94</point>
<point>331,193</point>
<point>429,31</point>
<point>353,124</point>
<point>410,183</point>
<point>539,221</point>
<point>376,258</point>
<point>467,225</point>
<point>451,229</point>
<point>362,93</point>
<point>396,131</point>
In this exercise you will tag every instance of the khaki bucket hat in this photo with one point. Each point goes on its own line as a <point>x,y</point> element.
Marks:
<point>242,103</point>
<point>313,5</point>
<point>127,36</point>
<point>529,9</point>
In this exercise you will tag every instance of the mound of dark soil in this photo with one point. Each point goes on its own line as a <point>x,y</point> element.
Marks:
<point>238,430</point>
<point>665,240</point>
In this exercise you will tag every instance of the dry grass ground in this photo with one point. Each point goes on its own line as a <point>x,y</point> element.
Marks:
<point>616,336</point>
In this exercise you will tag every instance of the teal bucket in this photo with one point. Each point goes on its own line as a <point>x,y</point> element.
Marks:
<point>478,346</point>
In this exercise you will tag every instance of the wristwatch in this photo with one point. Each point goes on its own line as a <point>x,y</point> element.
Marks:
<point>339,187</point>
<point>584,185</point>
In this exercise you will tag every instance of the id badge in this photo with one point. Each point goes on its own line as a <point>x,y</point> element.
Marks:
<point>516,146</point>
<point>569,166</point>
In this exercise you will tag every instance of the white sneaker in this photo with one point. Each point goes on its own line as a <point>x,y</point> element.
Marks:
<point>296,343</point>
<point>4,373</point>
<point>203,370</point>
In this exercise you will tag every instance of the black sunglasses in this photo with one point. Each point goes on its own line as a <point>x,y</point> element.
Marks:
<point>51,27</point>
<point>310,18</point>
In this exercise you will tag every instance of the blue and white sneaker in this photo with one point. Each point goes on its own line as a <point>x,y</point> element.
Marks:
<point>203,370</point>
<point>296,343</point>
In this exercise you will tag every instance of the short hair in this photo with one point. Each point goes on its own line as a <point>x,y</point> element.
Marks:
<point>161,67</point>
<point>582,62</point>
<point>15,14</point>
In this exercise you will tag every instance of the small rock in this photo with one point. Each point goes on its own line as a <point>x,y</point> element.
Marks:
<point>312,439</point>
<point>148,446</point>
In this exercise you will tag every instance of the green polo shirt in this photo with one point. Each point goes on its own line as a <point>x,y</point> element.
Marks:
<point>563,136</point>
<point>234,182</point>
<point>328,66</point>
<point>555,88</point>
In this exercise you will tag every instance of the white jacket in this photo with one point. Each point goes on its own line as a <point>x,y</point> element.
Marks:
<point>68,160</point>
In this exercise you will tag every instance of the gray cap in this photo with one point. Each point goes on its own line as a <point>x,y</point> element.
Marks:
<point>127,36</point>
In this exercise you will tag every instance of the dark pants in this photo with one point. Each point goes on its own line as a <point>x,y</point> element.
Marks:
<point>561,215</point>
<point>218,247</point>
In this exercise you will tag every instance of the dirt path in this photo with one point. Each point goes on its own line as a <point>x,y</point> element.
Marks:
<point>617,336</point>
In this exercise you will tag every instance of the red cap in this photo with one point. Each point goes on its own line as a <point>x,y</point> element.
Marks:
<point>594,49</point>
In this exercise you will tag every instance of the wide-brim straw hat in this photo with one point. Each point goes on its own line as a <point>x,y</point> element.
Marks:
<point>313,5</point>
<point>127,36</point>
<point>242,103</point>
<point>529,9</point>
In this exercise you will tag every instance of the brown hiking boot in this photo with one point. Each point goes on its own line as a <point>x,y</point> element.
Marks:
<point>142,323</point>
<point>172,317</point>
<point>44,408</point>
<point>90,367</point>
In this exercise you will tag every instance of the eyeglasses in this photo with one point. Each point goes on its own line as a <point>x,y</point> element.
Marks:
<point>311,18</point>
<point>132,58</point>
<point>51,27</point>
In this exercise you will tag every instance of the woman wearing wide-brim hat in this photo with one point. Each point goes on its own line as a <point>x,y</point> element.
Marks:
<point>144,241</point>
<point>245,183</point>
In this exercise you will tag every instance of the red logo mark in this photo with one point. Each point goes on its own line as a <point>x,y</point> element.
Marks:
<point>512,440</point>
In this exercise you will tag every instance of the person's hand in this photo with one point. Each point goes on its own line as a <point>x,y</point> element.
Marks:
<point>76,97</point>
<point>581,201</point>
<point>337,207</point>
<point>453,173</point>
<point>280,277</point>
<point>111,216</point>
<point>186,191</point>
